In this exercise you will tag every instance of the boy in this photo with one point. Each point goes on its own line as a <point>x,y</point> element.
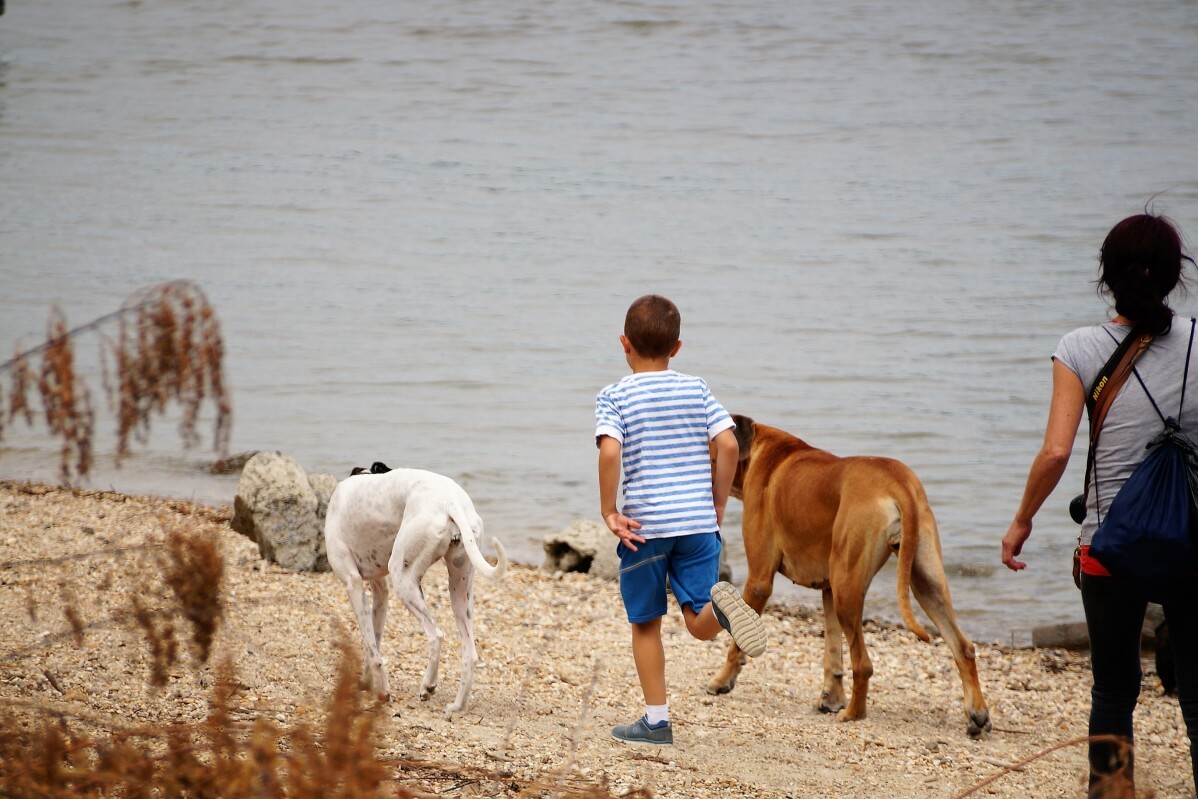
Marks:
<point>661,428</point>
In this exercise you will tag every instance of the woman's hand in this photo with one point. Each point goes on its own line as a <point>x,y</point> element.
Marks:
<point>1012,544</point>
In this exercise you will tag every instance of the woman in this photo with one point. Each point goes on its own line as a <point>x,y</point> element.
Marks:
<point>1140,264</point>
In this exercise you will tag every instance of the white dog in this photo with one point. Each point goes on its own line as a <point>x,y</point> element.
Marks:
<point>386,527</point>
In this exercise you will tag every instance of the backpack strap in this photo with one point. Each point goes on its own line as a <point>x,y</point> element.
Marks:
<point>1184,379</point>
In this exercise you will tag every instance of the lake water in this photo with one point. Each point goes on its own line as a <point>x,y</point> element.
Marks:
<point>420,225</point>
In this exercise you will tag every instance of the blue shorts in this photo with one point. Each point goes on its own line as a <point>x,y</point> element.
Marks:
<point>692,563</point>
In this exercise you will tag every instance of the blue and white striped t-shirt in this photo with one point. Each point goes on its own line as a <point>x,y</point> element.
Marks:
<point>664,422</point>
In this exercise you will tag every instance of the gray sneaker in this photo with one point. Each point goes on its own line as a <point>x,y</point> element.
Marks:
<point>639,732</point>
<point>735,616</point>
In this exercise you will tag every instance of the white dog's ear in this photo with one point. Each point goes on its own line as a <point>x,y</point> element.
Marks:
<point>357,470</point>
<point>378,467</point>
<point>745,429</point>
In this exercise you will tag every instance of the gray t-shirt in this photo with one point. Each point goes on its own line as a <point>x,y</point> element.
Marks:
<point>1131,421</point>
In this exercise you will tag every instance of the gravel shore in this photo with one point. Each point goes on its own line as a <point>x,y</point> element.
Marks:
<point>557,674</point>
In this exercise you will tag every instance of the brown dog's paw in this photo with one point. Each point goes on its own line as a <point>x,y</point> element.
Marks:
<point>978,723</point>
<point>717,687</point>
<point>848,715</point>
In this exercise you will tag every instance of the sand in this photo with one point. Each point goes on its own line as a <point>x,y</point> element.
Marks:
<point>557,674</point>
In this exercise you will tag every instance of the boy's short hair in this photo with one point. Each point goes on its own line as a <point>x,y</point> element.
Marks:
<point>652,325</point>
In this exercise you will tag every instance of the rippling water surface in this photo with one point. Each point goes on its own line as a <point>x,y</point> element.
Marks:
<point>420,225</point>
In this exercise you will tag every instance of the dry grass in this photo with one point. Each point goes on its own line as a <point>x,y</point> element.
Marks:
<point>46,752</point>
<point>1117,784</point>
<point>169,349</point>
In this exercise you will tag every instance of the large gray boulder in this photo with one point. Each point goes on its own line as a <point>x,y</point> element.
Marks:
<point>587,546</point>
<point>282,508</point>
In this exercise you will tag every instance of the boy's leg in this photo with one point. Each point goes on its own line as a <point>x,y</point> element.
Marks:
<point>650,658</point>
<point>642,586</point>
<point>702,625</point>
<point>693,574</point>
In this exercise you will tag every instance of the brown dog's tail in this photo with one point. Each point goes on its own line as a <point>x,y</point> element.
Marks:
<point>908,545</point>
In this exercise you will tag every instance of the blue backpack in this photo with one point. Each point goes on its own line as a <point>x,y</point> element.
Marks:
<point>1150,533</point>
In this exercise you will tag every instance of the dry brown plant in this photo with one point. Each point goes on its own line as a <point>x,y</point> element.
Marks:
<point>65,398</point>
<point>191,574</point>
<point>1116,785</point>
<point>49,752</point>
<point>223,757</point>
<point>169,349</point>
<point>172,350</point>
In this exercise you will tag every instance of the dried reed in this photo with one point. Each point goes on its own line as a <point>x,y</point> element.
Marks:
<point>169,348</point>
<point>1116,785</point>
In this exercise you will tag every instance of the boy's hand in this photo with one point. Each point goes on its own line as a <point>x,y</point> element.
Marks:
<point>624,528</point>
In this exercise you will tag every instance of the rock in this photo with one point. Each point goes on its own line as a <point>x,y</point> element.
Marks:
<point>1061,636</point>
<point>231,464</point>
<point>323,485</point>
<point>584,546</point>
<point>587,546</point>
<point>1075,636</point>
<point>281,508</point>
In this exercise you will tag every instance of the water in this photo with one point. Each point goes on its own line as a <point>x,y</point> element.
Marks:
<point>420,225</point>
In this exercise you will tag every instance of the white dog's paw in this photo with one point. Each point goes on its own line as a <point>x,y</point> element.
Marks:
<point>454,709</point>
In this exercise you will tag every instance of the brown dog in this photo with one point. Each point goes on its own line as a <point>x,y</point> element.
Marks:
<point>831,523</point>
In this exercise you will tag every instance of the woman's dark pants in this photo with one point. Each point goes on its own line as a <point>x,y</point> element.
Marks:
<point>1114,616</point>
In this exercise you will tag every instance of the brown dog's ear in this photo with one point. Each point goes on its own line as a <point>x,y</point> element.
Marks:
<point>745,428</point>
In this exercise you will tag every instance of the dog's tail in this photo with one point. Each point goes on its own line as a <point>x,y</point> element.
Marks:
<point>470,541</point>
<point>909,514</point>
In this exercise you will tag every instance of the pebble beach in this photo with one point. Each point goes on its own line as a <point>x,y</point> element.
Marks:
<point>556,675</point>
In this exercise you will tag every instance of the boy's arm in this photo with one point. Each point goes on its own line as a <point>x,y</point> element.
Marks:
<point>723,469</point>
<point>609,482</point>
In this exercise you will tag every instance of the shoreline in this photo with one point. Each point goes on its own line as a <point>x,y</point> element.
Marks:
<point>975,591</point>
<point>556,675</point>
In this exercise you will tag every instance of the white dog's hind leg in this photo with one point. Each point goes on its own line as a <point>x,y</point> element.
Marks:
<point>374,670</point>
<point>461,579</point>
<point>418,545</point>
<point>410,593</point>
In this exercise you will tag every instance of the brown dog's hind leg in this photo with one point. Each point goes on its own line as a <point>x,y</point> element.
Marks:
<point>930,587</point>
<point>849,606</point>
<point>832,698</point>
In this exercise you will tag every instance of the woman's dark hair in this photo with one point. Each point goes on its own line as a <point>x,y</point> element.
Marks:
<point>1139,265</point>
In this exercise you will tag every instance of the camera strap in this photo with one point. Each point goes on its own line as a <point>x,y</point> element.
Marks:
<point>1106,385</point>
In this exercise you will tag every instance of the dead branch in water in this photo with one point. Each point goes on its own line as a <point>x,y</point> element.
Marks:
<point>169,348</point>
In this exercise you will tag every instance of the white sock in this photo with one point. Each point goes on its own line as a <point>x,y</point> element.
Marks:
<point>656,714</point>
